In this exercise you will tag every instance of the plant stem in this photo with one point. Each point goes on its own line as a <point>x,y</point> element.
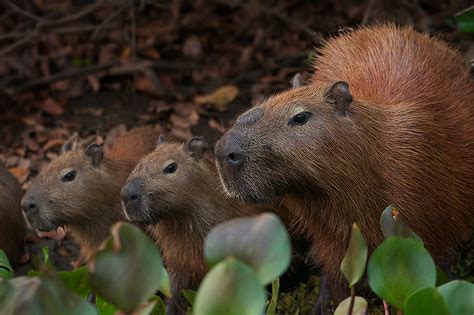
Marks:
<point>385,308</point>
<point>351,306</point>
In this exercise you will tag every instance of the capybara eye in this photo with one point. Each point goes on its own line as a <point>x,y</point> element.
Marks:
<point>300,119</point>
<point>171,168</point>
<point>69,177</point>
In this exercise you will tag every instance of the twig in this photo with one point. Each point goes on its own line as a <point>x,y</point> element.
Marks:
<point>313,35</point>
<point>87,10</point>
<point>112,69</point>
<point>368,13</point>
<point>107,21</point>
<point>23,12</point>
<point>18,43</point>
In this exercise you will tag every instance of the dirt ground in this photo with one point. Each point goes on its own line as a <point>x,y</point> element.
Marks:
<point>189,67</point>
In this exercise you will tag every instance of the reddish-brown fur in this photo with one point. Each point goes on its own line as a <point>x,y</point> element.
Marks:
<point>407,139</point>
<point>90,204</point>
<point>12,224</point>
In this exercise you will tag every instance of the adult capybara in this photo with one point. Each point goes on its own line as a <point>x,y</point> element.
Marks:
<point>80,190</point>
<point>12,224</point>
<point>387,118</point>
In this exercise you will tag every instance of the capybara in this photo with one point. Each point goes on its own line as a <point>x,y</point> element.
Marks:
<point>12,223</point>
<point>176,190</point>
<point>387,118</point>
<point>80,190</point>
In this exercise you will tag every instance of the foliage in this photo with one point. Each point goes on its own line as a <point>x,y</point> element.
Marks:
<point>465,20</point>
<point>245,254</point>
<point>402,272</point>
<point>262,242</point>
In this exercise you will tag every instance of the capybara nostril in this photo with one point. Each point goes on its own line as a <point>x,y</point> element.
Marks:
<point>235,158</point>
<point>131,192</point>
<point>29,206</point>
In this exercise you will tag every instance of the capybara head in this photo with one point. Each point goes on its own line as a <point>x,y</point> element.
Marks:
<point>289,143</point>
<point>68,190</point>
<point>165,183</point>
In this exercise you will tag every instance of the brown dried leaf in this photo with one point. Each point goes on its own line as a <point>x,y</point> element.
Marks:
<point>220,97</point>
<point>180,121</point>
<point>51,107</point>
<point>192,47</point>
<point>21,173</point>
<point>215,125</point>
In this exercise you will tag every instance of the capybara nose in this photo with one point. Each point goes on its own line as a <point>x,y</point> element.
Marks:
<point>29,206</point>
<point>132,191</point>
<point>235,158</point>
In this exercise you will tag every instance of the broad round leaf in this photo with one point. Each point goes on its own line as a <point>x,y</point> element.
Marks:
<point>230,288</point>
<point>41,295</point>
<point>128,269</point>
<point>360,306</point>
<point>353,264</point>
<point>398,268</point>
<point>6,270</point>
<point>262,242</point>
<point>426,301</point>
<point>459,296</point>
<point>392,224</point>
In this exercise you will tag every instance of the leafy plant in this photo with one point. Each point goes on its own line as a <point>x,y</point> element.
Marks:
<point>465,20</point>
<point>6,270</point>
<point>247,254</point>
<point>402,272</point>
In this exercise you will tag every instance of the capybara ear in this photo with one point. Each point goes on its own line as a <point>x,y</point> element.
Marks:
<point>196,146</point>
<point>70,144</point>
<point>95,153</point>
<point>161,140</point>
<point>340,96</point>
<point>297,81</point>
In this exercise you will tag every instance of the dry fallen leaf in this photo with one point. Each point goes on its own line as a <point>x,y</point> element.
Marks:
<point>51,107</point>
<point>220,97</point>
<point>21,173</point>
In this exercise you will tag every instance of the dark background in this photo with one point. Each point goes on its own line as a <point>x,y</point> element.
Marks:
<point>100,67</point>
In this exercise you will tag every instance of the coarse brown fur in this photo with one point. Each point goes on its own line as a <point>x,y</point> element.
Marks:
<point>12,224</point>
<point>181,208</point>
<point>406,139</point>
<point>88,205</point>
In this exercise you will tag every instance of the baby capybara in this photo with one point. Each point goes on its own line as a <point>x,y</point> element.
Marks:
<point>176,190</point>
<point>388,118</point>
<point>12,224</point>
<point>80,190</point>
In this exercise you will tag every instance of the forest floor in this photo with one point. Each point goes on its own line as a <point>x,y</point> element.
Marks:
<point>187,67</point>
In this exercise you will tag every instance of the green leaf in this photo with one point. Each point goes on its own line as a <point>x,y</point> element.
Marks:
<point>160,306</point>
<point>441,277</point>
<point>459,296</point>
<point>230,288</point>
<point>392,224</point>
<point>76,280</point>
<point>465,20</point>
<point>353,264</point>
<point>262,242</point>
<point>127,271</point>
<point>104,307</point>
<point>6,270</point>
<point>426,301</point>
<point>360,306</point>
<point>398,268</point>
<point>42,295</point>
<point>271,310</point>
<point>165,283</point>
<point>189,295</point>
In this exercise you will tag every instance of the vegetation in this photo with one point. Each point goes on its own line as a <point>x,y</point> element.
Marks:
<point>245,254</point>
